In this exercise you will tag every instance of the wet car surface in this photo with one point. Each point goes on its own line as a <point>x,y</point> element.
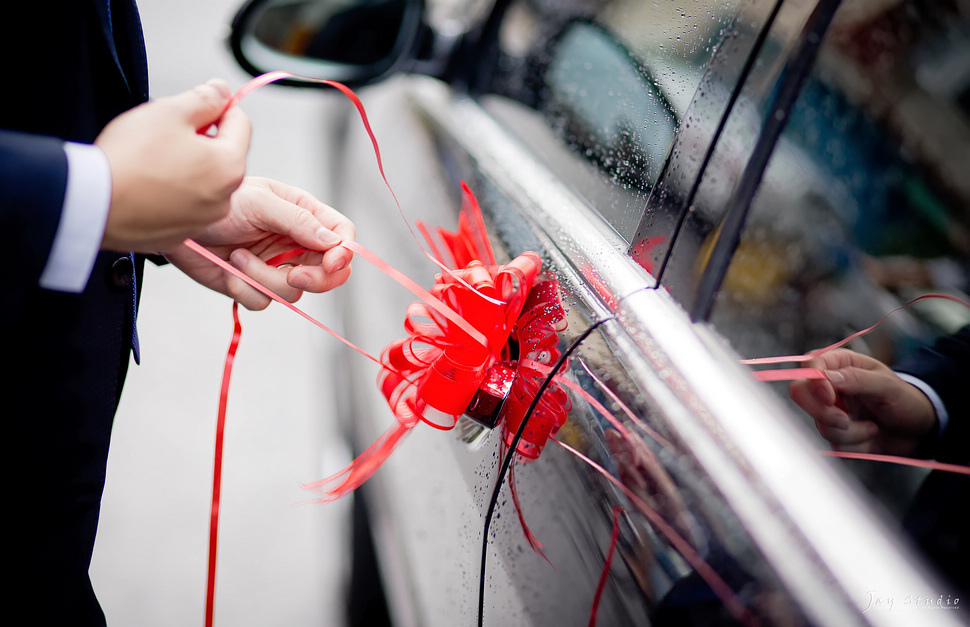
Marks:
<point>703,183</point>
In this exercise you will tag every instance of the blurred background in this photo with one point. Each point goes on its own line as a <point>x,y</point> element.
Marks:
<point>280,562</point>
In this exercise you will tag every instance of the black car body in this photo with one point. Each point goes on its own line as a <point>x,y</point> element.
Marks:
<point>706,182</point>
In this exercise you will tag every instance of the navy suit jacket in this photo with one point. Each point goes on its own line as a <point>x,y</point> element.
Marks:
<point>946,367</point>
<point>71,66</point>
<point>939,517</point>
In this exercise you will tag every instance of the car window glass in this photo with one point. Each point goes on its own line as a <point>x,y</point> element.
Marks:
<point>609,82</point>
<point>589,73</point>
<point>718,134</point>
<point>865,204</point>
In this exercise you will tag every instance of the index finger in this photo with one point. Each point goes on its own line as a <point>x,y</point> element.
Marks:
<point>817,398</point>
<point>336,228</point>
<point>837,359</point>
<point>298,214</point>
<point>338,257</point>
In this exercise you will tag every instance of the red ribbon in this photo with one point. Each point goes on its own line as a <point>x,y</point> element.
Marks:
<point>249,87</point>
<point>434,373</point>
<point>814,373</point>
<point>217,465</point>
<point>538,344</point>
<point>614,539</point>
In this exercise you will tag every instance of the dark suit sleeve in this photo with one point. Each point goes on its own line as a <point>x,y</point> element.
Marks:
<point>33,180</point>
<point>945,366</point>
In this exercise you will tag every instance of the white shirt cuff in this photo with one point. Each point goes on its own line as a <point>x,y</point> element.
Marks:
<point>931,394</point>
<point>83,219</point>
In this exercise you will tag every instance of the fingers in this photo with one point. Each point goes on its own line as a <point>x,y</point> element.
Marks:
<point>863,406</point>
<point>317,278</point>
<point>274,207</point>
<point>274,279</point>
<point>235,132</point>
<point>876,383</point>
<point>300,224</point>
<point>290,211</point>
<point>856,436</point>
<point>220,86</point>
<point>339,258</point>
<point>169,182</point>
<point>848,374</point>
<point>818,399</point>
<point>285,281</point>
<point>202,105</point>
<point>205,105</point>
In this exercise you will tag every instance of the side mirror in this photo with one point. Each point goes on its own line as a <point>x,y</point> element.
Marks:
<point>356,42</point>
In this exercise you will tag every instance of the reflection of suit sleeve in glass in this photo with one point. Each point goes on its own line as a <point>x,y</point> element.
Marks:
<point>945,366</point>
<point>938,519</point>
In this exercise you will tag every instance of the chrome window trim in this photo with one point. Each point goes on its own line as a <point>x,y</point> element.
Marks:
<point>786,493</point>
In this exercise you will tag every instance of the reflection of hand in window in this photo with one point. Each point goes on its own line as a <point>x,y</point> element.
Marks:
<point>863,406</point>
<point>640,471</point>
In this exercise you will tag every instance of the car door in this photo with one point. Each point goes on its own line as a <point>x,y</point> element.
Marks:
<point>608,138</point>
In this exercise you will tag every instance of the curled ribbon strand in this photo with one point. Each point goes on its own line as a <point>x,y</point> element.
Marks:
<point>815,373</point>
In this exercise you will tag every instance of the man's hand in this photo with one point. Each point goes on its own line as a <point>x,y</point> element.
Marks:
<point>862,406</point>
<point>268,218</point>
<point>168,181</point>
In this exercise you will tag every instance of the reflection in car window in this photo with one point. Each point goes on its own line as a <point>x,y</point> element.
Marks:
<point>699,566</point>
<point>609,104</point>
<point>874,208</point>
<point>716,139</point>
<point>612,81</point>
<point>865,204</point>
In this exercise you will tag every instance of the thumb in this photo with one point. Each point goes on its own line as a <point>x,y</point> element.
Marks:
<point>203,105</point>
<point>859,381</point>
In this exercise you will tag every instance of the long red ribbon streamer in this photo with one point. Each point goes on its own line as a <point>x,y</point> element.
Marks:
<point>249,87</point>
<point>903,461</point>
<point>815,373</point>
<point>604,576</point>
<point>217,465</point>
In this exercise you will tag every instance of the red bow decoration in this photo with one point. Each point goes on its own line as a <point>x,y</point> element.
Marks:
<point>442,370</point>
<point>536,333</point>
